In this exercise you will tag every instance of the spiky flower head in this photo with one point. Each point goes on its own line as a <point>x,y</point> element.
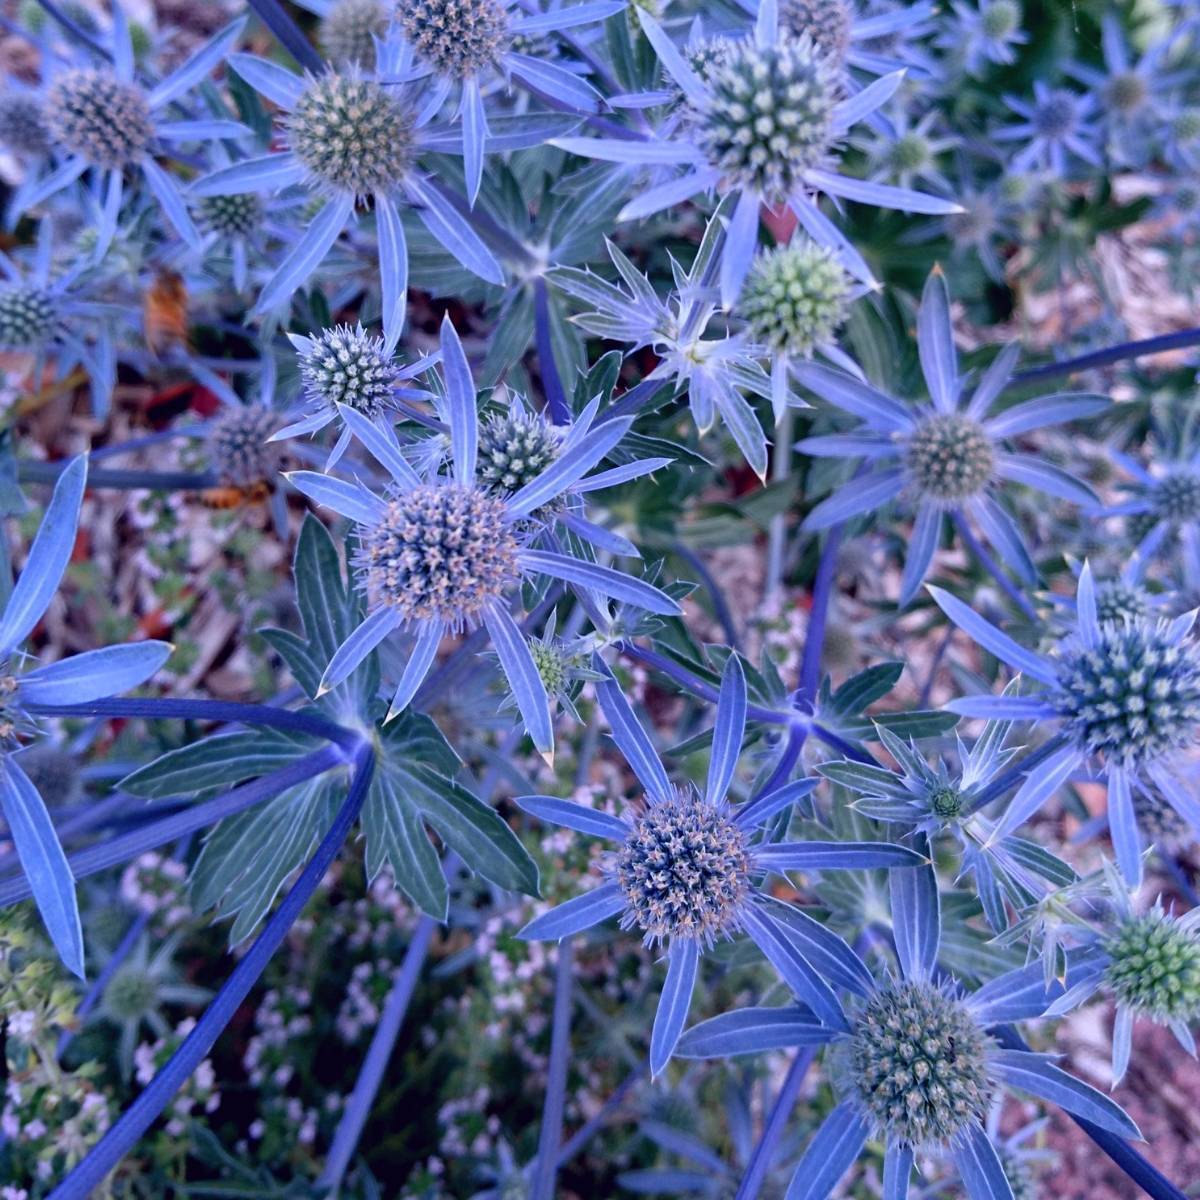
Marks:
<point>909,153</point>
<point>1000,18</point>
<point>1056,114</point>
<point>1125,92</point>
<point>1133,696</point>
<point>348,31</point>
<point>23,123</point>
<point>684,871</point>
<point>352,134</point>
<point>344,365</point>
<point>827,22</point>
<point>442,551</point>
<point>238,447</point>
<point>1176,498</point>
<point>93,114</point>
<point>950,458</point>
<point>1118,601</point>
<point>768,114</point>
<point>919,1064</point>
<point>28,317</point>
<point>132,993</point>
<point>514,449</point>
<point>945,801</point>
<point>794,298</point>
<point>1154,967</point>
<point>1158,820</point>
<point>231,216</point>
<point>458,38</point>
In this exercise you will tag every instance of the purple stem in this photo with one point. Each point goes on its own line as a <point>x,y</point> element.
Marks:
<point>101,477</point>
<point>290,37</point>
<point>117,850</point>
<point>990,565</point>
<point>814,642</point>
<point>556,398</point>
<point>1014,774</point>
<point>633,400</point>
<point>542,1187</point>
<point>591,1127</point>
<point>760,1160</point>
<point>1102,358</point>
<point>720,607</point>
<point>143,1112</point>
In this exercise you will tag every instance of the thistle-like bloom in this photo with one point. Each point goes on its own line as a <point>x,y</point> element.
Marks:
<point>914,1063</point>
<point>984,37</point>
<point>349,28</point>
<point>762,124</point>
<point>687,867</point>
<point>93,675</point>
<point>1055,127</point>
<point>103,120</point>
<point>907,153</point>
<point>23,123</point>
<point>1164,504</point>
<point>352,136</point>
<point>439,554</point>
<point>345,365</point>
<point>1148,963</point>
<point>466,44</point>
<point>715,370</point>
<point>945,458</point>
<point>1127,697</point>
<point>933,799</point>
<point>44,312</point>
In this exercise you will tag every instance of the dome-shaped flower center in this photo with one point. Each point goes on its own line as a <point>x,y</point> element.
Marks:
<point>949,457</point>
<point>238,446</point>
<point>441,552</point>
<point>1055,116</point>
<point>1177,497</point>
<point>684,870</point>
<point>794,298</point>
<point>457,37</point>
<point>23,124</point>
<point>1125,92</point>
<point>131,994</point>
<point>909,152</point>
<point>28,317</point>
<point>768,116</point>
<point>515,449</point>
<point>1134,696</point>
<point>946,801</point>
<point>1000,18</point>
<point>1119,602</point>
<point>352,134</point>
<point>345,366</point>
<point>553,665</point>
<point>347,33</point>
<point>1154,967</point>
<point>230,216</point>
<point>827,22</point>
<point>93,114</point>
<point>919,1064</point>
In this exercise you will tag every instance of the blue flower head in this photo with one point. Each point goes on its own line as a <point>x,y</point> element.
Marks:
<point>688,865</point>
<point>439,553</point>
<point>1055,128</point>
<point>947,458</point>
<point>1127,698</point>
<point>27,694</point>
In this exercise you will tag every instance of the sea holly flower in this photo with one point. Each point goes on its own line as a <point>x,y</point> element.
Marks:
<point>439,554</point>
<point>914,1064</point>
<point>467,43</point>
<point>687,869</point>
<point>849,38</point>
<point>1127,697</point>
<point>346,365</point>
<point>984,37</point>
<point>931,799</point>
<point>761,125</point>
<point>45,312</point>
<point>1148,963</point>
<point>716,371</point>
<point>348,29</point>
<point>93,675</point>
<point>907,152</point>
<point>947,457</point>
<point>351,137</point>
<point>1055,127</point>
<point>101,119</point>
<point>23,122</point>
<point>1164,503</point>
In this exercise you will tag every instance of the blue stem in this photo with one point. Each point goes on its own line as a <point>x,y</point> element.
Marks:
<point>272,15</point>
<point>1014,774</point>
<point>1147,1176</point>
<point>206,710</point>
<point>992,567</point>
<point>145,1110</point>
<point>556,1081</point>
<point>640,396</point>
<point>760,1160</point>
<point>75,30</point>
<point>100,477</point>
<point>556,398</point>
<point>593,1125</point>
<point>117,850</point>
<point>1102,358</point>
<point>720,607</point>
<point>814,642</point>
